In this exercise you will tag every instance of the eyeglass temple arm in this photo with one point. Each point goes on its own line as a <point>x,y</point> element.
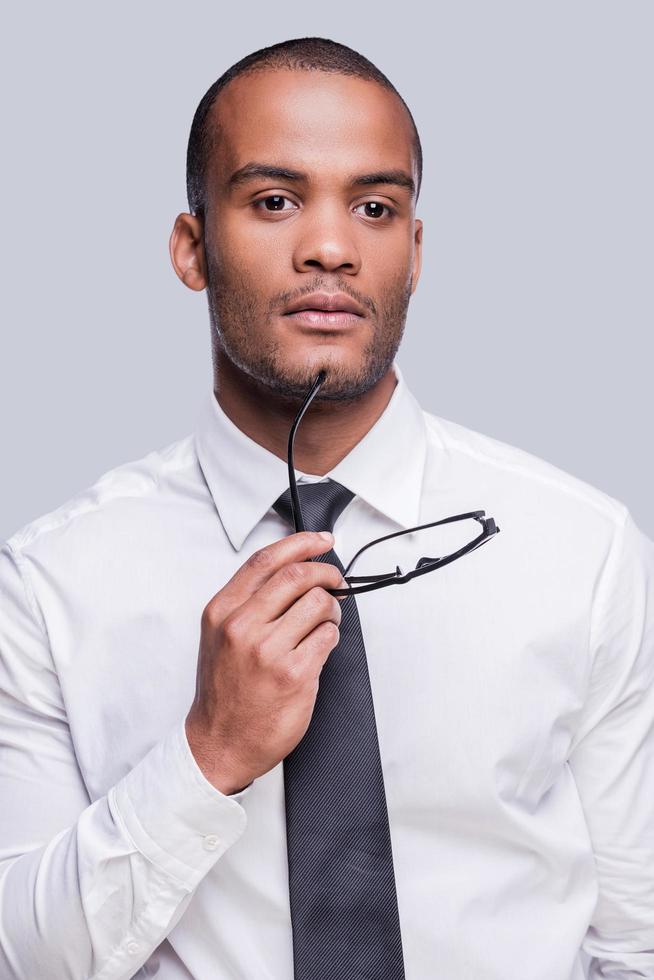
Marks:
<point>488,524</point>
<point>298,519</point>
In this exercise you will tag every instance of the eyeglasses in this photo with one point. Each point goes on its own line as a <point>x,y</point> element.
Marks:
<point>424,565</point>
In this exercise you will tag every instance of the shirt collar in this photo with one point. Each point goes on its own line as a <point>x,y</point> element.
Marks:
<point>385,468</point>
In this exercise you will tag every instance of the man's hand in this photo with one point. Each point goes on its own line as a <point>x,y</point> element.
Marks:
<point>264,639</point>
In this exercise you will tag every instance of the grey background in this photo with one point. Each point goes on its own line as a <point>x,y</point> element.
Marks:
<point>533,319</point>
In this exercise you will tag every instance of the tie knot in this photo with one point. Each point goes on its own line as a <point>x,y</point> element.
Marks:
<point>321,504</point>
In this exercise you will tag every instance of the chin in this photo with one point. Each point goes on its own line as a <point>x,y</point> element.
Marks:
<point>340,384</point>
<point>303,371</point>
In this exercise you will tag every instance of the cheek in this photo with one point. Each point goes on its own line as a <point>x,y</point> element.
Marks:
<point>242,262</point>
<point>242,243</point>
<point>389,254</point>
<point>256,242</point>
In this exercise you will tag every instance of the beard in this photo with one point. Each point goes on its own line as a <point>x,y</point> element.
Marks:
<point>242,330</point>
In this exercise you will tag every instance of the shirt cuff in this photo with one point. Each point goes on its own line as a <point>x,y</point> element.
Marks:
<point>173,814</point>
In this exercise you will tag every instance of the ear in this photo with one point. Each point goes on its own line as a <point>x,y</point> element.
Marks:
<point>186,247</point>
<point>417,256</point>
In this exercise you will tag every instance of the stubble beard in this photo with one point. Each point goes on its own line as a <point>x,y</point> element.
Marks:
<point>242,330</point>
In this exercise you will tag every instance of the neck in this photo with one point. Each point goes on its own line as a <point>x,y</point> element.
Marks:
<point>327,432</point>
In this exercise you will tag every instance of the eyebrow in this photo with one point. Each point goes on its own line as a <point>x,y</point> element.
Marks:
<point>252,171</point>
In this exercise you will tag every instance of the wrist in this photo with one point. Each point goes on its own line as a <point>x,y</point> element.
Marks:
<point>214,762</point>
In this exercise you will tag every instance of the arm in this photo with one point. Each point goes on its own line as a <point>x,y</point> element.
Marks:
<point>88,891</point>
<point>612,761</point>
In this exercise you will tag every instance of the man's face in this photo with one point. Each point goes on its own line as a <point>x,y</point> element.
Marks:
<point>288,215</point>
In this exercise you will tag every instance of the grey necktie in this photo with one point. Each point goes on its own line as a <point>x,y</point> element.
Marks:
<point>341,881</point>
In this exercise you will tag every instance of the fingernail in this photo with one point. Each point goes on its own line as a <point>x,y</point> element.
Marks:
<point>326,535</point>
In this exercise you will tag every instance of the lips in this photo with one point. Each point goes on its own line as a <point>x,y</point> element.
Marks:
<point>326,302</point>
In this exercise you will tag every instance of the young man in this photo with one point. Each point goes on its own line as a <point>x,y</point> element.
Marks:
<point>450,779</point>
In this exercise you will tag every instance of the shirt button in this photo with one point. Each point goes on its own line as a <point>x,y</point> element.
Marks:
<point>211,842</point>
<point>132,948</point>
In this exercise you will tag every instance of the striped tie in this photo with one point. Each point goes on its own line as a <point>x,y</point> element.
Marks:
<point>341,882</point>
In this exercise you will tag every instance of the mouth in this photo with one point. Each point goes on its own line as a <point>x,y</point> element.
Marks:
<point>325,319</point>
<point>326,311</point>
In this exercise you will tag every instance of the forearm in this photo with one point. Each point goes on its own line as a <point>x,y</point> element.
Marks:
<point>100,896</point>
<point>612,761</point>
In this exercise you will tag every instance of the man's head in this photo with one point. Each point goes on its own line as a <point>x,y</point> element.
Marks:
<point>303,170</point>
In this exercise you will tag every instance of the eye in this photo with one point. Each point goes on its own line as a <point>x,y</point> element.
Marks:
<point>274,202</point>
<point>374,209</point>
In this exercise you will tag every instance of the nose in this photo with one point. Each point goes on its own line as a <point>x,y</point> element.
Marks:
<point>327,242</point>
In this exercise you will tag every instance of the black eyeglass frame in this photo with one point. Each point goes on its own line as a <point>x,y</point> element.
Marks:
<point>424,565</point>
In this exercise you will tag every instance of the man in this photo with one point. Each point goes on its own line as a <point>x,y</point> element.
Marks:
<point>243,812</point>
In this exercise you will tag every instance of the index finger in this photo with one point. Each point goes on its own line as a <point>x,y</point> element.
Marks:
<point>264,562</point>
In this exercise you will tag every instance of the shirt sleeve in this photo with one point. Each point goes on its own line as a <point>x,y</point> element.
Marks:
<point>613,761</point>
<point>89,890</point>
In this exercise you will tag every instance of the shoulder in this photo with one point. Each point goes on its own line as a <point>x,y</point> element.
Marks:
<point>113,502</point>
<point>511,473</point>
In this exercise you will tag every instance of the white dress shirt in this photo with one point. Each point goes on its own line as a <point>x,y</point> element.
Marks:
<point>514,698</point>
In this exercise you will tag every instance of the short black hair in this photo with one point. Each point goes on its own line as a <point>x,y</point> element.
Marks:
<point>300,54</point>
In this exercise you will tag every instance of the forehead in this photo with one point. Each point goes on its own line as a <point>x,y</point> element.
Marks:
<point>318,122</point>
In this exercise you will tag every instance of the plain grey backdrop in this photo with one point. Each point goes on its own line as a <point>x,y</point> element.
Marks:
<point>533,318</point>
